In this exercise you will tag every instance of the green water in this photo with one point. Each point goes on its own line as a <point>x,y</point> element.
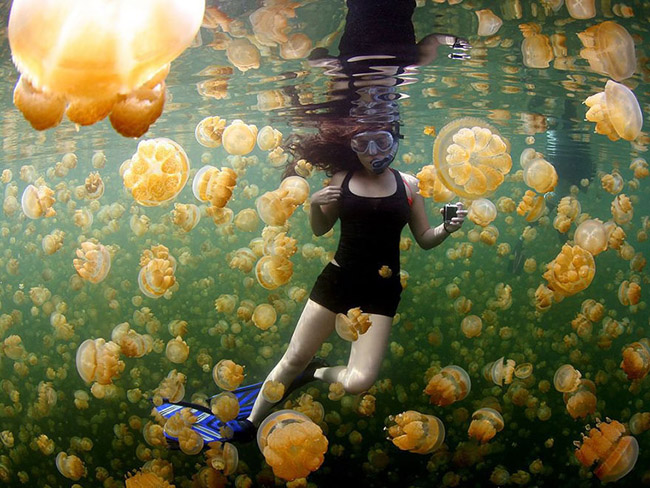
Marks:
<point>493,85</point>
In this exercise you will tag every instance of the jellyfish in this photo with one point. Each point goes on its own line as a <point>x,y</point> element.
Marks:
<point>540,175</point>
<point>606,445</point>
<point>486,422</point>
<point>622,209</point>
<point>353,324</point>
<point>572,270</point>
<point>640,168</point>
<point>591,235</point>
<point>430,186</point>
<point>177,350</point>
<point>274,208</point>
<point>247,220</point>
<point>532,206</point>
<point>471,158</point>
<point>157,269</point>
<point>157,172</point>
<point>83,218</point>
<point>296,188</point>
<point>209,131</point>
<point>37,201</point>
<point>225,406</point>
<point>581,401</point>
<point>213,185</point>
<point>629,293</point>
<point>94,186</point>
<point>52,242</point>
<point>636,360</point>
<point>536,47</point>
<point>190,441</point>
<point>450,385</point>
<point>609,48</point>
<point>616,112</point>
<point>264,316</point>
<point>500,372</point>
<point>566,378</point>
<point>612,183</point>
<point>471,326</point>
<point>639,423</point>
<point>98,360</point>
<point>134,345</point>
<point>416,432</point>
<point>70,466</point>
<point>270,23</point>
<point>568,211</point>
<point>581,9</point>
<point>273,391</point>
<point>488,23</point>
<point>243,259</point>
<point>142,479</point>
<point>298,46</point>
<point>292,444</point>
<point>222,456</point>
<point>227,374</point>
<point>273,271</point>
<point>482,212</point>
<point>93,261</point>
<point>59,68</point>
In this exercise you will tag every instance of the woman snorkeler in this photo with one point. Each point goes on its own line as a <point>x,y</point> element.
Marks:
<point>373,203</point>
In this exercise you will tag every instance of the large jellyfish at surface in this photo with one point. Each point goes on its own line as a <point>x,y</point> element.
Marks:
<point>92,58</point>
<point>471,158</point>
<point>616,112</point>
<point>609,48</point>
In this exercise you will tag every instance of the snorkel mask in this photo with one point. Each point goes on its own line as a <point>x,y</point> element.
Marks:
<point>373,142</point>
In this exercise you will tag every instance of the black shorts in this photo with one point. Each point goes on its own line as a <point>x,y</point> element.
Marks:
<point>340,290</point>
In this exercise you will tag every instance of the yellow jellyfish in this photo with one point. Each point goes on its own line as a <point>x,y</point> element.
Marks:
<point>83,218</point>
<point>471,158</point>
<point>429,185</point>
<point>225,406</point>
<point>213,185</point>
<point>606,444</point>
<point>486,422</point>
<point>186,216</point>
<point>94,186</point>
<point>415,432</point>
<point>616,112</point>
<point>243,259</point>
<point>349,327</point>
<point>273,271</point>
<point>532,206</point>
<point>640,168</point>
<point>157,269</point>
<point>636,360</point>
<point>70,466</point>
<point>247,220</point>
<point>264,316</point>
<point>273,391</point>
<point>177,350</point>
<point>98,360</point>
<point>609,48</point>
<point>581,401</point>
<point>622,209</point>
<point>243,54</point>
<point>56,47</point>
<point>482,212</point>
<point>500,372</point>
<point>568,211</point>
<point>450,385</point>
<point>536,47</point>
<point>222,456</point>
<point>488,23</point>
<point>142,479</point>
<point>239,138</point>
<point>209,131</point>
<point>52,242</point>
<point>471,326</point>
<point>93,261</point>
<point>298,46</point>
<point>581,9</point>
<point>295,189</point>
<point>268,138</point>
<point>37,201</point>
<point>629,293</point>
<point>227,374</point>
<point>270,23</point>
<point>566,378</point>
<point>292,444</point>
<point>591,235</point>
<point>571,271</point>
<point>540,175</point>
<point>190,441</point>
<point>157,172</point>
<point>274,208</point>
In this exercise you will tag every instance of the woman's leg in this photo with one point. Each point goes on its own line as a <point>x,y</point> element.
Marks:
<point>315,324</point>
<point>366,356</point>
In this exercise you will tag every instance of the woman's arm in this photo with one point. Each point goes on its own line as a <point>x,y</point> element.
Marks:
<point>425,235</point>
<point>324,205</point>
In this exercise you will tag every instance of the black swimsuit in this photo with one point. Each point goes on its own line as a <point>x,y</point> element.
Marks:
<point>370,232</point>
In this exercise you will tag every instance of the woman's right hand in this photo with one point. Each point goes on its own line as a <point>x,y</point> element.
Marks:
<point>324,196</point>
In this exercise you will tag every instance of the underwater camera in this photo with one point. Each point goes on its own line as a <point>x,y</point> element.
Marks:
<point>449,211</point>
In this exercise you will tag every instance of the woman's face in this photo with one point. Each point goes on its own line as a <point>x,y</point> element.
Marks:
<point>375,149</point>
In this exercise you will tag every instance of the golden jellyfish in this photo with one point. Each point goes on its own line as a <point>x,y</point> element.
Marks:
<point>486,422</point>
<point>500,372</point>
<point>616,112</point>
<point>581,401</point>
<point>353,324</point>
<point>139,224</point>
<point>622,209</point>
<point>471,158</point>
<point>83,218</point>
<point>93,261</point>
<point>429,185</point>
<point>209,131</point>
<point>488,23</point>
<point>273,271</point>
<point>239,138</point>
<point>98,360</point>
<point>568,211</point>
<point>222,456</point>
<point>186,216</point>
<point>482,212</point>
<point>264,316</point>
<point>566,378</point>
<point>59,64</point>
<point>227,374</point>
<point>243,259</point>
<point>94,186</point>
<point>532,206</point>
<point>148,479</point>
<point>636,360</point>
<point>609,48</point>
<point>225,406</point>
<point>296,188</point>
<point>536,47</point>
<point>416,432</point>
<point>640,168</point>
<point>177,350</point>
<point>639,423</point>
<point>298,46</point>
<point>629,293</point>
<point>157,269</point>
<point>270,23</point>
<point>274,208</point>
<point>157,172</point>
<point>292,444</point>
<point>606,445</point>
<point>591,235</point>
<point>190,441</point>
<point>572,270</point>
<point>52,242</point>
<point>134,345</point>
<point>247,220</point>
<point>612,183</point>
<point>273,391</point>
<point>581,9</point>
<point>37,201</point>
<point>450,385</point>
<point>540,175</point>
<point>213,185</point>
<point>471,326</point>
<point>70,466</point>
<point>225,303</point>
<point>268,138</point>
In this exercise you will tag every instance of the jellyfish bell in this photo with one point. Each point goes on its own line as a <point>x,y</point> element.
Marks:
<point>540,175</point>
<point>486,422</point>
<point>450,385</point>
<point>616,112</point>
<point>243,54</point>
<point>591,235</point>
<point>37,202</point>
<point>93,261</point>
<point>416,432</point>
<point>482,212</point>
<point>609,48</point>
<point>273,271</point>
<point>536,47</point>
<point>209,131</point>
<point>268,138</point>
<point>225,406</point>
<point>488,23</point>
<point>297,189</point>
<point>298,46</point>
<point>264,316</point>
<point>227,374</point>
<point>239,138</point>
<point>566,378</point>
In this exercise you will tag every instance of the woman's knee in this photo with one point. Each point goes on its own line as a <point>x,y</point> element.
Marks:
<point>295,360</point>
<point>356,382</point>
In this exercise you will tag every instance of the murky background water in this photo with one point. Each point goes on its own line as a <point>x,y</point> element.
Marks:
<point>538,108</point>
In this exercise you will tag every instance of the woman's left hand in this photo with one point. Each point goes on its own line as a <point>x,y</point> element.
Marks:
<point>456,222</point>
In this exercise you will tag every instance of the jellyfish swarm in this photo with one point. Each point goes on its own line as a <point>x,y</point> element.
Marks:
<point>292,444</point>
<point>609,48</point>
<point>636,360</point>
<point>93,58</point>
<point>450,385</point>
<point>616,112</point>
<point>571,271</point>
<point>536,47</point>
<point>416,432</point>
<point>157,172</point>
<point>349,327</point>
<point>614,453</point>
<point>471,158</point>
<point>93,261</point>
<point>214,186</point>
<point>157,269</point>
<point>486,422</point>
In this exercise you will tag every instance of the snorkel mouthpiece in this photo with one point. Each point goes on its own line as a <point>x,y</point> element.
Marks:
<point>379,165</point>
